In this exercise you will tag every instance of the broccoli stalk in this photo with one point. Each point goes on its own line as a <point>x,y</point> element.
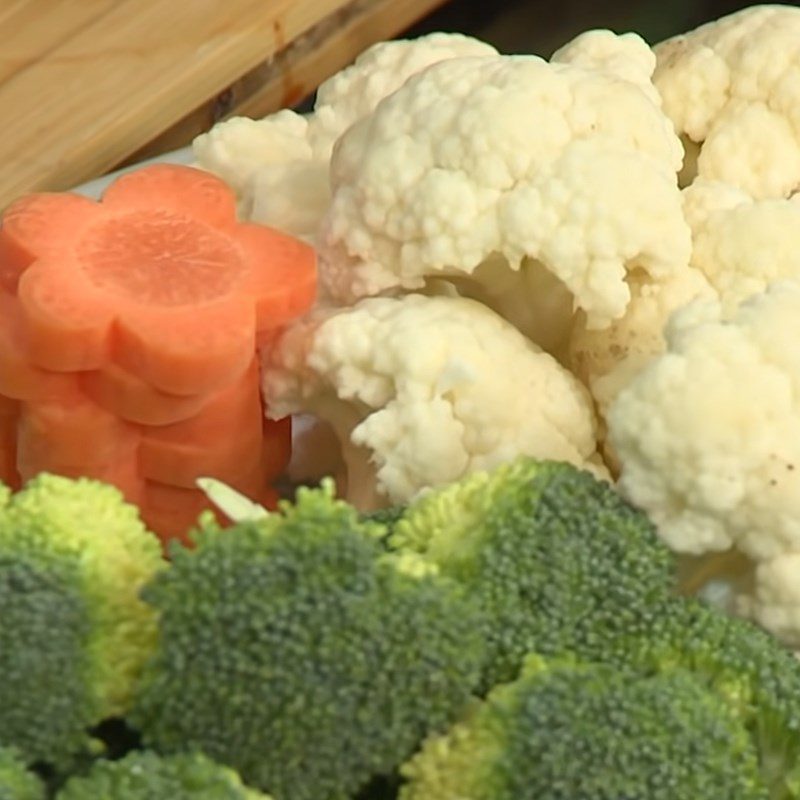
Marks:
<point>567,730</point>
<point>74,633</point>
<point>295,649</point>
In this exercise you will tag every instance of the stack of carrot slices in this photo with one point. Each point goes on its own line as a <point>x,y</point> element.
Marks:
<point>128,340</point>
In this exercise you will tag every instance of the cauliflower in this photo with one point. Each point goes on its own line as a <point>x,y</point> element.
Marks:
<point>507,174</point>
<point>708,435</point>
<point>607,360</point>
<point>278,165</point>
<point>423,390</point>
<point>731,88</point>
<point>739,244</point>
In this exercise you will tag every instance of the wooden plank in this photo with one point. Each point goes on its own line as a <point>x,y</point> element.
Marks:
<point>294,73</point>
<point>127,76</point>
<point>28,35</point>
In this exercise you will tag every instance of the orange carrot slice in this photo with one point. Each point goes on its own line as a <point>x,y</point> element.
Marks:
<point>277,447</point>
<point>28,231</point>
<point>71,431</point>
<point>170,512</point>
<point>283,274</point>
<point>222,440</point>
<point>19,379</point>
<point>133,400</point>
<point>183,190</point>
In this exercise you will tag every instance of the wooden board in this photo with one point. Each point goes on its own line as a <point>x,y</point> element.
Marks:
<point>93,82</point>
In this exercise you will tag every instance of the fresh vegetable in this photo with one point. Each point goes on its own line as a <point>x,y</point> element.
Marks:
<point>731,90</point>
<point>17,782</point>
<point>534,187</point>
<point>147,776</point>
<point>133,323</point>
<point>73,632</point>
<point>296,650</point>
<point>422,390</point>
<point>709,442</point>
<point>591,731</point>
<point>278,165</point>
<point>557,560</point>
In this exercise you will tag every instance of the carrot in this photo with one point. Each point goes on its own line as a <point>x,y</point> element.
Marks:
<point>9,415</point>
<point>71,431</point>
<point>19,379</point>
<point>131,398</point>
<point>158,278</point>
<point>222,440</point>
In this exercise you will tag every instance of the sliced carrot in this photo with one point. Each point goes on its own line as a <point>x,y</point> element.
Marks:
<point>71,431</point>
<point>170,512</point>
<point>9,415</point>
<point>36,226</point>
<point>238,403</point>
<point>133,400</point>
<point>283,274</point>
<point>183,190</point>
<point>159,278</point>
<point>277,447</point>
<point>222,440</point>
<point>19,379</point>
<point>188,350</point>
<point>66,321</point>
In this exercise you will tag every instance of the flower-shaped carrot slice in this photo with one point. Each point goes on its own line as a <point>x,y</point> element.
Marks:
<point>19,379</point>
<point>158,278</point>
<point>134,400</point>
<point>71,431</point>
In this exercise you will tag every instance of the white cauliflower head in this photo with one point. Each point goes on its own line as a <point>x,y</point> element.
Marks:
<point>423,390</point>
<point>278,165</point>
<point>708,434</point>
<point>480,169</point>
<point>739,244</point>
<point>380,70</point>
<point>733,87</point>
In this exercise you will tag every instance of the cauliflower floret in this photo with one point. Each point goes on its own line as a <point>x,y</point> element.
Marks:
<point>774,600</point>
<point>423,390</point>
<point>739,244</point>
<point>607,360</point>
<point>278,165</point>
<point>482,170</point>
<point>733,87</point>
<point>380,70</point>
<point>708,434</point>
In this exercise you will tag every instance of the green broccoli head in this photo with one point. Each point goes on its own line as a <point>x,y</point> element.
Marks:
<point>147,776</point>
<point>298,651</point>
<point>74,633</point>
<point>755,675</point>
<point>556,557</point>
<point>17,782</point>
<point>564,731</point>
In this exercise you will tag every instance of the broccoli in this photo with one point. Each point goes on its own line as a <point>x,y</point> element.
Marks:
<point>570,731</point>
<point>147,776</point>
<point>558,559</point>
<point>17,782</point>
<point>750,670</point>
<point>74,634</point>
<point>296,650</point>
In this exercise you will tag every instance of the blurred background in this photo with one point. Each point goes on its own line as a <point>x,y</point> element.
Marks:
<point>533,26</point>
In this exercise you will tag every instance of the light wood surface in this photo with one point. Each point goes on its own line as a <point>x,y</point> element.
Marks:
<point>87,84</point>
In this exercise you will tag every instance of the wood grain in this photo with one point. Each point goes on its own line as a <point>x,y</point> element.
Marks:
<point>294,73</point>
<point>91,82</point>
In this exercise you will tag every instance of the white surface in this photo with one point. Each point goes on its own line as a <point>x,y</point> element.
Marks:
<point>96,187</point>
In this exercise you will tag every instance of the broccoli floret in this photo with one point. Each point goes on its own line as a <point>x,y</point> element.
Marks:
<point>567,731</point>
<point>74,634</point>
<point>17,782</point>
<point>298,651</point>
<point>147,776</point>
<point>755,675</point>
<point>556,557</point>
